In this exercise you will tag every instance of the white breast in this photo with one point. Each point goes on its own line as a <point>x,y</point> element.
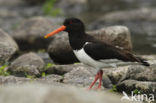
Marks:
<point>86,59</point>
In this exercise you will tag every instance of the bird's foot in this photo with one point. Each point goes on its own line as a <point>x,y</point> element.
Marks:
<point>98,76</point>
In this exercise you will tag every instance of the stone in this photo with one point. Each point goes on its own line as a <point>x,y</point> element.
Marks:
<point>50,79</point>
<point>80,76</point>
<point>143,86</point>
<point>8,47</point>
<point>30,33</point>
<point>29,64</point>
<point>115,35</point>
<point>37,93</point>
<point>62,69</point>
<point>61,52</point>
<point>7,80</point>
<point>72,7</point>
<point>141,23</point>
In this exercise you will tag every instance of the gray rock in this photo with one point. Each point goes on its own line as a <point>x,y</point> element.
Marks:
<point>50,79</point>
<point>135,72</point>
<point>106,82</point>
<point>108,6</point>
<point>29,63</point>
<point>80,76</point>
<point>37,93</point>
<point>62,69</point>
<point>141,23</point>
<point>30,34</point>
<point>72,7</point>
<point>61,52</point>
<point>7,47</point>
<point>145,18</point>
<point>143,86</point>
<point>115,35</point>
<point>4,80</point>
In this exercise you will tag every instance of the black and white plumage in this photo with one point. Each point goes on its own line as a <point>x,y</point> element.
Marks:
<point>92,52</point>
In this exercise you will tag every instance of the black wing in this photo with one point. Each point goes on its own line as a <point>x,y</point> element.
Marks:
<point>99,51</point>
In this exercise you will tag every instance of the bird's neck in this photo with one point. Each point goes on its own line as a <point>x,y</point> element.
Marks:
<point>76,40</point>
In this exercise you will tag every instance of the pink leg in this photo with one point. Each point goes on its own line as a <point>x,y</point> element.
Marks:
<point>96,78</point>
<point>100,79</point>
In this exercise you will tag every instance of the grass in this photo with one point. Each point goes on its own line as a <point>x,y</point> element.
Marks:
<point>136,91</point>
<point>44,74</point>
<point>4,72</point>
<point>48,65</point>
<point>114,88</point>
<point>41,51</point>
<point>49,9</point>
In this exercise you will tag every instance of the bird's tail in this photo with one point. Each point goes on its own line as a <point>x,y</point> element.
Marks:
<point>143,61</point>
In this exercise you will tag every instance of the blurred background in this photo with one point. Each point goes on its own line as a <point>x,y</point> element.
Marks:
<point>138,15</point>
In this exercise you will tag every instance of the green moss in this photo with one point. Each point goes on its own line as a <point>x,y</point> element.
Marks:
<point>48,65</point>
<point>3,71</point>
<point>41,51</point>
<point>44,74</point>
<point>32,77</point>
<point>114,88</point>
<point>136,91</point>
<point>49,9</point>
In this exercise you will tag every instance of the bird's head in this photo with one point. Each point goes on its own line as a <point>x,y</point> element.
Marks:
<point>69,25</point>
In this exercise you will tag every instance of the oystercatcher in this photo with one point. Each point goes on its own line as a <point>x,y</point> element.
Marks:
<point>90,51</point>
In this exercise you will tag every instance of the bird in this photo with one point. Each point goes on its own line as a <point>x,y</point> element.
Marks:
<point>91,51</point>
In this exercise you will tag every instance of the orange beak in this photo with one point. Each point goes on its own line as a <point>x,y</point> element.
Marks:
<point>55,31</point>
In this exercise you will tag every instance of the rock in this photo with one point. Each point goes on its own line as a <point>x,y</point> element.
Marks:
<point>10,3</point>
<point>106,82</point>
<point>72,7</point>
<point>143,86</point>
<point>4,80</point>
<point>115,35</point>
<point>108,6</point>
<point>62,69</point>
<point>34,2</point>
<point>50,79</point>
<point>141,23</point>
<point>146,74</point>
<point>135,72</point>
<point>115,75</point>
<point>81,76</point>
<point>30,34</point>
<point>143,16</point>
<point>61,52</point>
<point>7,47</point>
<point>37,93</point>
<point>29,64</point>
<point>45,56</point>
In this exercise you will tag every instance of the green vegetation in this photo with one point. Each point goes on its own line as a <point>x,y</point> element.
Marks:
<point>41,51</point>
<point>49,9</point>
<point>48,65</point>
<point>4,72</point>
<point>30,76</point>
<point>114,88</point>
<point>136,91</point>
<point>44,74</point>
